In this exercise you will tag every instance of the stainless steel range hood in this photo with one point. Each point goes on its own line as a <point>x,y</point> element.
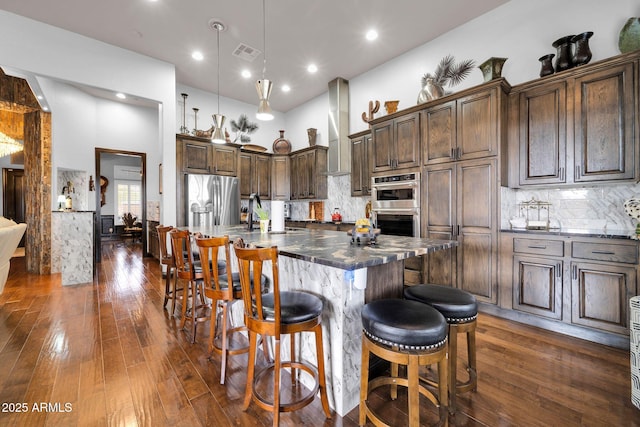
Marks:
<point>339,155</point>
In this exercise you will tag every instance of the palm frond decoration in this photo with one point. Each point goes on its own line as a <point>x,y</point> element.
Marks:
<point>243,128</point>
<point>448,72</point>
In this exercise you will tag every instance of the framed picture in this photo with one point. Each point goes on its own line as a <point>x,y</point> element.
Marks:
<point>160,178</point>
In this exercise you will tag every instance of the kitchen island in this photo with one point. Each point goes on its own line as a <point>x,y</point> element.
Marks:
<point>344,275</point>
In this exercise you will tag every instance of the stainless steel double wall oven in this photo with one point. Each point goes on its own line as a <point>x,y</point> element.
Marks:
<point>395,203</point>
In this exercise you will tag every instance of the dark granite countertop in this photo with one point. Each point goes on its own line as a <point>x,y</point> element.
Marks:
<point>577,232</point>
<point>333,248</point>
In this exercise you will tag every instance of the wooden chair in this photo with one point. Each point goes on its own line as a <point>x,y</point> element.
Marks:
<point>166,258</point>
<point>273,315</point>
<point>222,293</point>
<point>191,272</point>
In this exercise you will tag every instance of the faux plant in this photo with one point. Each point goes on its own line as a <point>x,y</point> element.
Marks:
<point>262,214</point>
<point>243,128</point>
<point>448,72</point>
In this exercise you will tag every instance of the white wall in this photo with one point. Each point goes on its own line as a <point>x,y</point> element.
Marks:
<point>57,54</point>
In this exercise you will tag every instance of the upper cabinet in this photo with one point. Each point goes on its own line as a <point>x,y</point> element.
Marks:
<point>255,175</point>
<point>396,143</point>
<point>576,127</point>
<point>463,128</point>
<point>280,177</point>
<point>361,159</point>
<point>309,172</point>
<point>203,157</point>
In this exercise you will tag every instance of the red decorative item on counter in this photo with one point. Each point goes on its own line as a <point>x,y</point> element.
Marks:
<point>336,216</point>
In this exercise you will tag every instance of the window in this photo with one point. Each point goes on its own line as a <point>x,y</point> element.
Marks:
<point>128,199</point>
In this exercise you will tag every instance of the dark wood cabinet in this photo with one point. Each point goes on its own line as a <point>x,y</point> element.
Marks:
<point>153,239</point>
<point>309,173</point>
<point>203,157</point>
<point>396,143</point>
<point>280,177</point>
<point>361,159</point>
<point>255,175</point>
<point>577,127</point>
<point>463,128</point>
<point>461,203</point>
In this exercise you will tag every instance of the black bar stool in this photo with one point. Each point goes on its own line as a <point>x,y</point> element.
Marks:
<point>404,333</point>
<point>460,308</point>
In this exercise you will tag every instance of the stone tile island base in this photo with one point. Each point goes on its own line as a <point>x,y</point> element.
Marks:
<point>72,246</point>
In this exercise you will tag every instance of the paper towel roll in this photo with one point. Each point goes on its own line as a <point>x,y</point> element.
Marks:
<point>277,215</point>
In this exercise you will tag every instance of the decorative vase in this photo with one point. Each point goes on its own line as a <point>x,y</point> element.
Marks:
<point>492,68</point>
<point>311,134</point>
<point>629,38</point>
<point>264,225</point>
<point>563,54</point>
<point>546,66</point>
<point>582,53</point>
<point>391,106</point>
<point>430,91</point>
<point>281,145</point>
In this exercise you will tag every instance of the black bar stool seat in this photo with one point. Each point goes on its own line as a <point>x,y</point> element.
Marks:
<point>406,333</point>
<point>460,308</point>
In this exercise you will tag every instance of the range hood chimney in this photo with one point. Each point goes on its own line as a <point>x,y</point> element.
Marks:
<point>339,155</point>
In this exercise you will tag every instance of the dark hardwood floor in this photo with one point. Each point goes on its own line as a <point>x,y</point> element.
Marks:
<point>107,353</point>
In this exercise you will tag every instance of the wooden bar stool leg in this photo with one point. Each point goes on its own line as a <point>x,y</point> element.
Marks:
<point>253,338</point>
<point>471,349</point>
<point>225,344</point>
<point>453,366</point>
<point>413,391</point>
<point>443,378</point>
<point>276,383</point>
<point>323,384</point>
<point>213,324</point>
<point>185,302</point>
<point>364,381</point>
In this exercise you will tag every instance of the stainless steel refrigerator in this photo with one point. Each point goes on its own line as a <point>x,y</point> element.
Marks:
<point>212,200</point>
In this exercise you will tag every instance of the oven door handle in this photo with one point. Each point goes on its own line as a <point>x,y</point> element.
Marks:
<point>393,185</point>
<point>412,211</point>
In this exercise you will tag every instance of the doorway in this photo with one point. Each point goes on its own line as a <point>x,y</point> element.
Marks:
<point>13,202</point>
<point>101,157</point>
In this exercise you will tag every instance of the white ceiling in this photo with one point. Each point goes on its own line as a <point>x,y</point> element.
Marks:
<point>329,33</point>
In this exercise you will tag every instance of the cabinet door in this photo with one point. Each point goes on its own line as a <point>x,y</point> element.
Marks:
<point>438,133</point>
<point>246,174</point>
<point>537,285</point>
<point>360,166</point>
<point>605,104</point>
<point>225,160</point>
<point>382,140</point>
<point>262,176</point>
<point>406,144</point>
<point>295,177</point>
<point>310,172</point>
<point>280,177</point>
<point>600,295</point>
<point>438,219</point>
<point>476,217</point>
<point>543,134</point>
<point>196,157</point>
<point>477,125</point>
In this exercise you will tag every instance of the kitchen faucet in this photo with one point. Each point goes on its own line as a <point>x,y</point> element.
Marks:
<point>252,197</point>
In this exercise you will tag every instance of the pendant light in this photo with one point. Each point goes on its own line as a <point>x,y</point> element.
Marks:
<point>218,119</point>
<point>264,86</point>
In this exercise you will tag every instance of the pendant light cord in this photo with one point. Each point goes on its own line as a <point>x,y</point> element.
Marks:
<point>264,37</point>
<point>218,31</point>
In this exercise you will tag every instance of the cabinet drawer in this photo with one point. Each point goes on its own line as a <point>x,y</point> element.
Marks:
<point>627,254</point>
<point>539,247</point>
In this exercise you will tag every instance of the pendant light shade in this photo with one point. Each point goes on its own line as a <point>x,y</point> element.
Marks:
<point>264,86</point>
<point>218,136</point>
<point>264,90</point>
<point>218,119</point>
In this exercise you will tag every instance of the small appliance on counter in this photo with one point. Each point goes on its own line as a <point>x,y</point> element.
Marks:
<point>336,216</point>
<point>287,210</point>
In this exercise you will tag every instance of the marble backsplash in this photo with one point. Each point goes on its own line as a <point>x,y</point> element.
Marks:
<point>587,207</point>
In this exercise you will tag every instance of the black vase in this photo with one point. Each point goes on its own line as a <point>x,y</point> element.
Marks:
<point>582,52</point>
<point>564,55</point>
<point>546,66</point>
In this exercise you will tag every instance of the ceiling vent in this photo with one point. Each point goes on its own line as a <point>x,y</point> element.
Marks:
<point>246,52</point>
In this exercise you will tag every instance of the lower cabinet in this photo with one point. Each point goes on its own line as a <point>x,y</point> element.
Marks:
<point>582,284</point>
<point>153,241</point>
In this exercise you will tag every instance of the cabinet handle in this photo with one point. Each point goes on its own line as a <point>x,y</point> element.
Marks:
<point>603,252</point>
<point>561,174</point>
<point>559,270</point>
<point>453,154</point>
<point>577,171</point>
<point>575,272</point>
<point>537,247</point>
<point>458,153</point>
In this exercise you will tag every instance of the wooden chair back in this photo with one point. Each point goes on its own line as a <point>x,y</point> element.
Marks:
<point>182,253</point>
<point>209,248</point>
<point>251,262</point>
<point>165,257</point>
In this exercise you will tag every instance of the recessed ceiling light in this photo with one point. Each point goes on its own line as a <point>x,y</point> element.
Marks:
<point>312,68</point>
<point>372,35</point>
<point>121,95</point>
<point>286,88</point>
<point>39,97</point>
<point>246,74</point>
<point>197,55</point>
<point>45,108</point>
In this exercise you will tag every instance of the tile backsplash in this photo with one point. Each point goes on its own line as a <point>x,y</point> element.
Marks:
<point>587,207</point>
